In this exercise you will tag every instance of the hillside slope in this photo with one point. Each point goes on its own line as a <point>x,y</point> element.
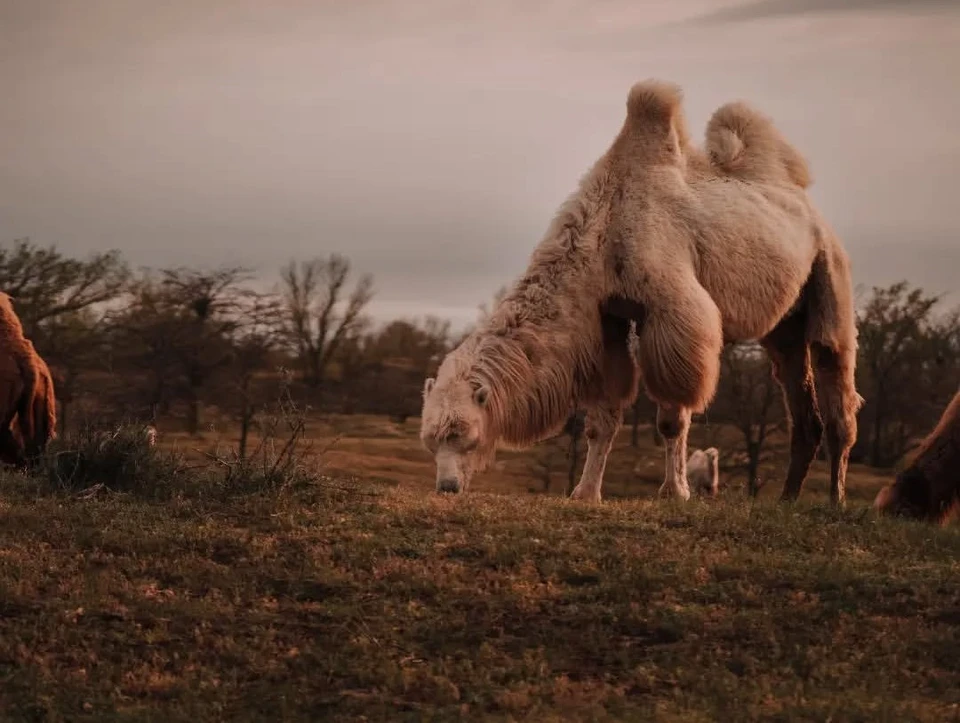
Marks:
<point>348,600</point>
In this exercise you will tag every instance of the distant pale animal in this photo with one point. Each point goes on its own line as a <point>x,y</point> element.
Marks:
<point>703,473</point>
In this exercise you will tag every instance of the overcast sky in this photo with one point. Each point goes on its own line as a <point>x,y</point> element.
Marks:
<point>431,141</point>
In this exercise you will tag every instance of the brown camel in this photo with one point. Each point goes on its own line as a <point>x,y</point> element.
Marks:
<point>26,392</point>
<point>929,488</point>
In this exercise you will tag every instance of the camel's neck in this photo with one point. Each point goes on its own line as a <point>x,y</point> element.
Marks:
<point>541,345</point>
<point>533,383</point>
<point>536,354</point>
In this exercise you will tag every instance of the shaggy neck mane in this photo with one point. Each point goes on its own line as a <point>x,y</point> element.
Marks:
<point>542,344</point>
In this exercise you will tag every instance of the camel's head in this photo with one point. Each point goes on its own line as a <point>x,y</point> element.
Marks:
<point>454,429</point>
<point>908,496</point>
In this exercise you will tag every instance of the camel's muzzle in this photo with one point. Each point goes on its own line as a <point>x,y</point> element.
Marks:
<point>448,485</point>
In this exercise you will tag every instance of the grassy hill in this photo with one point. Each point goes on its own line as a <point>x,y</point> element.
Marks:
<point>353,599</point>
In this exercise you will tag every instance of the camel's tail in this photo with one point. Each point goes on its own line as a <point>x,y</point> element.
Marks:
<point>831,317</point>
<point>744,143</point>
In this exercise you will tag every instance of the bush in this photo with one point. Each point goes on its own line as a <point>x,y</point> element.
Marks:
<point>282,457</point>
<point>122,459</point>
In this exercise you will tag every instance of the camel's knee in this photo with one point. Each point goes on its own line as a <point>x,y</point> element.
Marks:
<point>602,423</point>
<point>806,427</point>
<point>837,396</point>
<point>841,433</point>
<point>672,422</point>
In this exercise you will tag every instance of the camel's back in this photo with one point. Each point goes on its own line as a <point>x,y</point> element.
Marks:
<point>754,248</point>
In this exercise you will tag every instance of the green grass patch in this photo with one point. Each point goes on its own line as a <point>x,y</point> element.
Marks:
<point>344,601</point>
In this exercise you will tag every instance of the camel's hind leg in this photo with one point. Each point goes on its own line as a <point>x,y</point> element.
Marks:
<point>789,353</point>
<point>673,423</point>
<point>832,332</point>
<point>614,387</point>
<point>839,402</point>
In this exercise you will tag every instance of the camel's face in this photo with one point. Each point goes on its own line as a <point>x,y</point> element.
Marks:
<point>452,429</point>
<point>908,496</point>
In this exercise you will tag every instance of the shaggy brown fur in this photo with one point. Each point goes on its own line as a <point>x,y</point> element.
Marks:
<point>26,392</point>
<point>929,488</point>
<point>658,237</point>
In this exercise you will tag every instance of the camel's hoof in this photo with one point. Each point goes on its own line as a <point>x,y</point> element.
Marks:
<point>579,493</point>
<point>671,491</point>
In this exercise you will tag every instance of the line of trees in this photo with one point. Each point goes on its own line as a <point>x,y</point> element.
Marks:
<point>183,343</point>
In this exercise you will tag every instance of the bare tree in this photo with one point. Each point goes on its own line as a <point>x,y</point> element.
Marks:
<point>208,301</point>
<point>908,364</point>
<point>73,344</point>
<point>176,328</point>
<point>256,336</point>
<point>749,398</point>
<point>60,302</point>
<point>420,344</point>
<point>320,313</point>
<point>45,283</point>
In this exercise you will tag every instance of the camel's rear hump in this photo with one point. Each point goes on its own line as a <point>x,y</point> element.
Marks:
<point>744,143</point>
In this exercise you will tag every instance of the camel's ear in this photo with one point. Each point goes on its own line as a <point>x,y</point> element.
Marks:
<point>480,396</point>
<point>428,385</point>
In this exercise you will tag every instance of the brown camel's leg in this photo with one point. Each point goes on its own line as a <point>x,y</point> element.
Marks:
<point>790,355</point>
<point>614,386</point>
<point>839,402</point>
<point>673,424</point>
<point>10,450</point>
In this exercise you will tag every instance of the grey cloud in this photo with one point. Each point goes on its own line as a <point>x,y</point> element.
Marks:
<point>204,133</point>
<point>786,8</point>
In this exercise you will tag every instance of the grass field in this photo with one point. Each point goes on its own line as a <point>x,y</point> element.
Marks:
<point>363,596</point>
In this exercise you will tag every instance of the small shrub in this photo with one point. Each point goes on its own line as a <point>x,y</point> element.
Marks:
<point>283,456</point>
<point>120,459</point>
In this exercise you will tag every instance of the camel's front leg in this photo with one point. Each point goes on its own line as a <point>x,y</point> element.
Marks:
<point>674,424</point>
<point>602,424</point>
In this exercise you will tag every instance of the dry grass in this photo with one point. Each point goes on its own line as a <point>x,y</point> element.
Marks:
<point>376,448</point>
<point>347,599</point>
